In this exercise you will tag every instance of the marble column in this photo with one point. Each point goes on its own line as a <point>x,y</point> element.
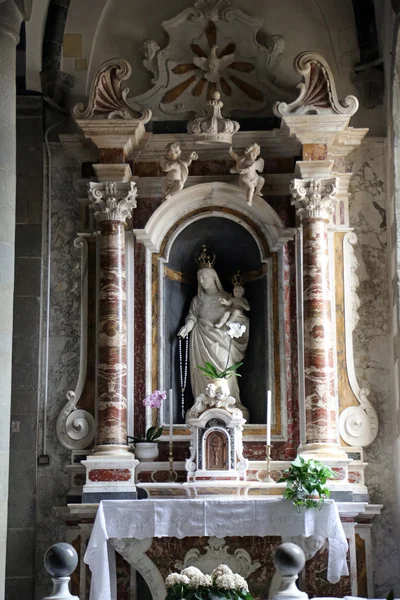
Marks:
<point>315,200</point>
<point>110,470</point>
<point>112,204</point>
<point>11,16</point>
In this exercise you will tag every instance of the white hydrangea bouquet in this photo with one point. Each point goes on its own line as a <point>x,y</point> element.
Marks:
<point>192,584</point>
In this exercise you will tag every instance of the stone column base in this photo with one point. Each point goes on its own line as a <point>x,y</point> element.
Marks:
<point>109,477</point>
<point>322,451</point>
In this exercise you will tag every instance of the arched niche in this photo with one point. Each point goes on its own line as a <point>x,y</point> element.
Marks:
<point>243,237</point>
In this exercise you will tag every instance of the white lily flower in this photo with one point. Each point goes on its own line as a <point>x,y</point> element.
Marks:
<point>236,330</point>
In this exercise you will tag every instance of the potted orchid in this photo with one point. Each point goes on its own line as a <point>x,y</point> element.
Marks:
<point>192,584</point>
<point>146,448</point>
<point>214,375</point>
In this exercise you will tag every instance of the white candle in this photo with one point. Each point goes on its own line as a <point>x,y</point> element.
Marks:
<point>269,418</point>
<point>171,417</point>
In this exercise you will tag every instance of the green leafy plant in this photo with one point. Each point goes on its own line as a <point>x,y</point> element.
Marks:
<point>305,483</point>
<point>152,434</point>
<point>210,371</point>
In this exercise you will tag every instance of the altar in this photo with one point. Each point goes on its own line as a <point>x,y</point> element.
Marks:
<point>124,524</point>
<point>218,304</point>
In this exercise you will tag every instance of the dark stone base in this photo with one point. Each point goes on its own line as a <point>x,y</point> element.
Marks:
<point>342,496</point>
<point>360,498</point>
<point>95,498</point>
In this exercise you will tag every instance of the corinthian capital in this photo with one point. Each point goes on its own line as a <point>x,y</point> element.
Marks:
<point>112,201</point>
<point>314,198</point>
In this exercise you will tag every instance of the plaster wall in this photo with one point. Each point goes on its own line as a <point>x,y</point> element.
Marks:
<point>373,349</point>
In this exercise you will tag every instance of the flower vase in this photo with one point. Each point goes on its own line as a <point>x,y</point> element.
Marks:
<point>146,451</point>
<point>222,389</point>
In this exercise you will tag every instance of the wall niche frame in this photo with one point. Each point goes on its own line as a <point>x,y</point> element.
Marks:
<point>215,199</point>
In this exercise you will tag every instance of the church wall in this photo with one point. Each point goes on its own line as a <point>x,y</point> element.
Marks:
<point>373,350</point>
<point>21,534</point>
<point>53,479</point>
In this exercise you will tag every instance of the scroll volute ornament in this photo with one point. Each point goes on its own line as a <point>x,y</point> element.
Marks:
<point>108,98</point>
<point>317,91</point>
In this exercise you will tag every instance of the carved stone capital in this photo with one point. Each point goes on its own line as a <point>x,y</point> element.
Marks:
<point>112,201</point>
<point>314,198</point>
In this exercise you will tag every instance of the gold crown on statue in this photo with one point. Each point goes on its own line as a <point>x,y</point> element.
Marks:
<point>204,260</point>
<point>237,279</point>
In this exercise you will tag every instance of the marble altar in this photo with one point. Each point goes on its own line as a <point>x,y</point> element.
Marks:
<point>142,519</point>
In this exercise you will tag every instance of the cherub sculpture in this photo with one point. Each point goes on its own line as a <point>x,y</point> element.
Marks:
<point>177,169</point>
<point>214,396</point>
<point>237,304</point>
<point>150,49</point>
<point>247,167</point>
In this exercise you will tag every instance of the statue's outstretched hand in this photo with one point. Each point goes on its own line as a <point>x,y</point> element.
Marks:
<point>183,332</point>
<point>224,301</point>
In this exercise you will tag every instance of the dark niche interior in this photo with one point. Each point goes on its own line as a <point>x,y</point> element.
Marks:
<point>235,249</point>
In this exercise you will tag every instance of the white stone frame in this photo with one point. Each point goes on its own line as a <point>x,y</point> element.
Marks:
<point>217,196</point>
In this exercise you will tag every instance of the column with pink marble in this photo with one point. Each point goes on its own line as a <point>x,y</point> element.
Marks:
<point>112,203</point>
<point>315,200</point>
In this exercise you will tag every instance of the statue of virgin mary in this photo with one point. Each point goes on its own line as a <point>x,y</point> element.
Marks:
<point>209,343</point>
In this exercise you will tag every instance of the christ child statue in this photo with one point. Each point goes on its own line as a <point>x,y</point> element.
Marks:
<point>177,169</point>
<point>247,167</point>
<point>237,305</point>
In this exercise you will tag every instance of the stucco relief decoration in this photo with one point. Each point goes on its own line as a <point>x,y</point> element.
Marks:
<point>75,426</point>
<point>217,552</point>
<point>213,127</point>
<point>317,91</point>
<point>358,424</point>
<point>108,97</point>
<point>212,48</point>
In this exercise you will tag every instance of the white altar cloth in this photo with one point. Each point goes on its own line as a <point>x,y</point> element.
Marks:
<point>180,518</point>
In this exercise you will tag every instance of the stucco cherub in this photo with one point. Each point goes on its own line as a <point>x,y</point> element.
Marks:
<point>247,167</point>
<point>177,169</point>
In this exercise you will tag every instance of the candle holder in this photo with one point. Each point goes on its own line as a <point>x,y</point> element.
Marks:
<point>269,478</point>
<point>172,476</point>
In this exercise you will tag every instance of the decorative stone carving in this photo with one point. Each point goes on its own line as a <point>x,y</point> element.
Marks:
<point>216,394</point>
<point>247,167</point>
<point>202,57</point>
<point>317,91</point>
<point>358,424</point>
<point>217,552</point>
<point>216,446</point>
<point>213,127</point>
<point>314,198</point>
<point>177,169</point>
<point>112,201</point>
<point>108,97</point>
<point>149,49</point>
<point>134,552</point>
<point>75,427</point>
